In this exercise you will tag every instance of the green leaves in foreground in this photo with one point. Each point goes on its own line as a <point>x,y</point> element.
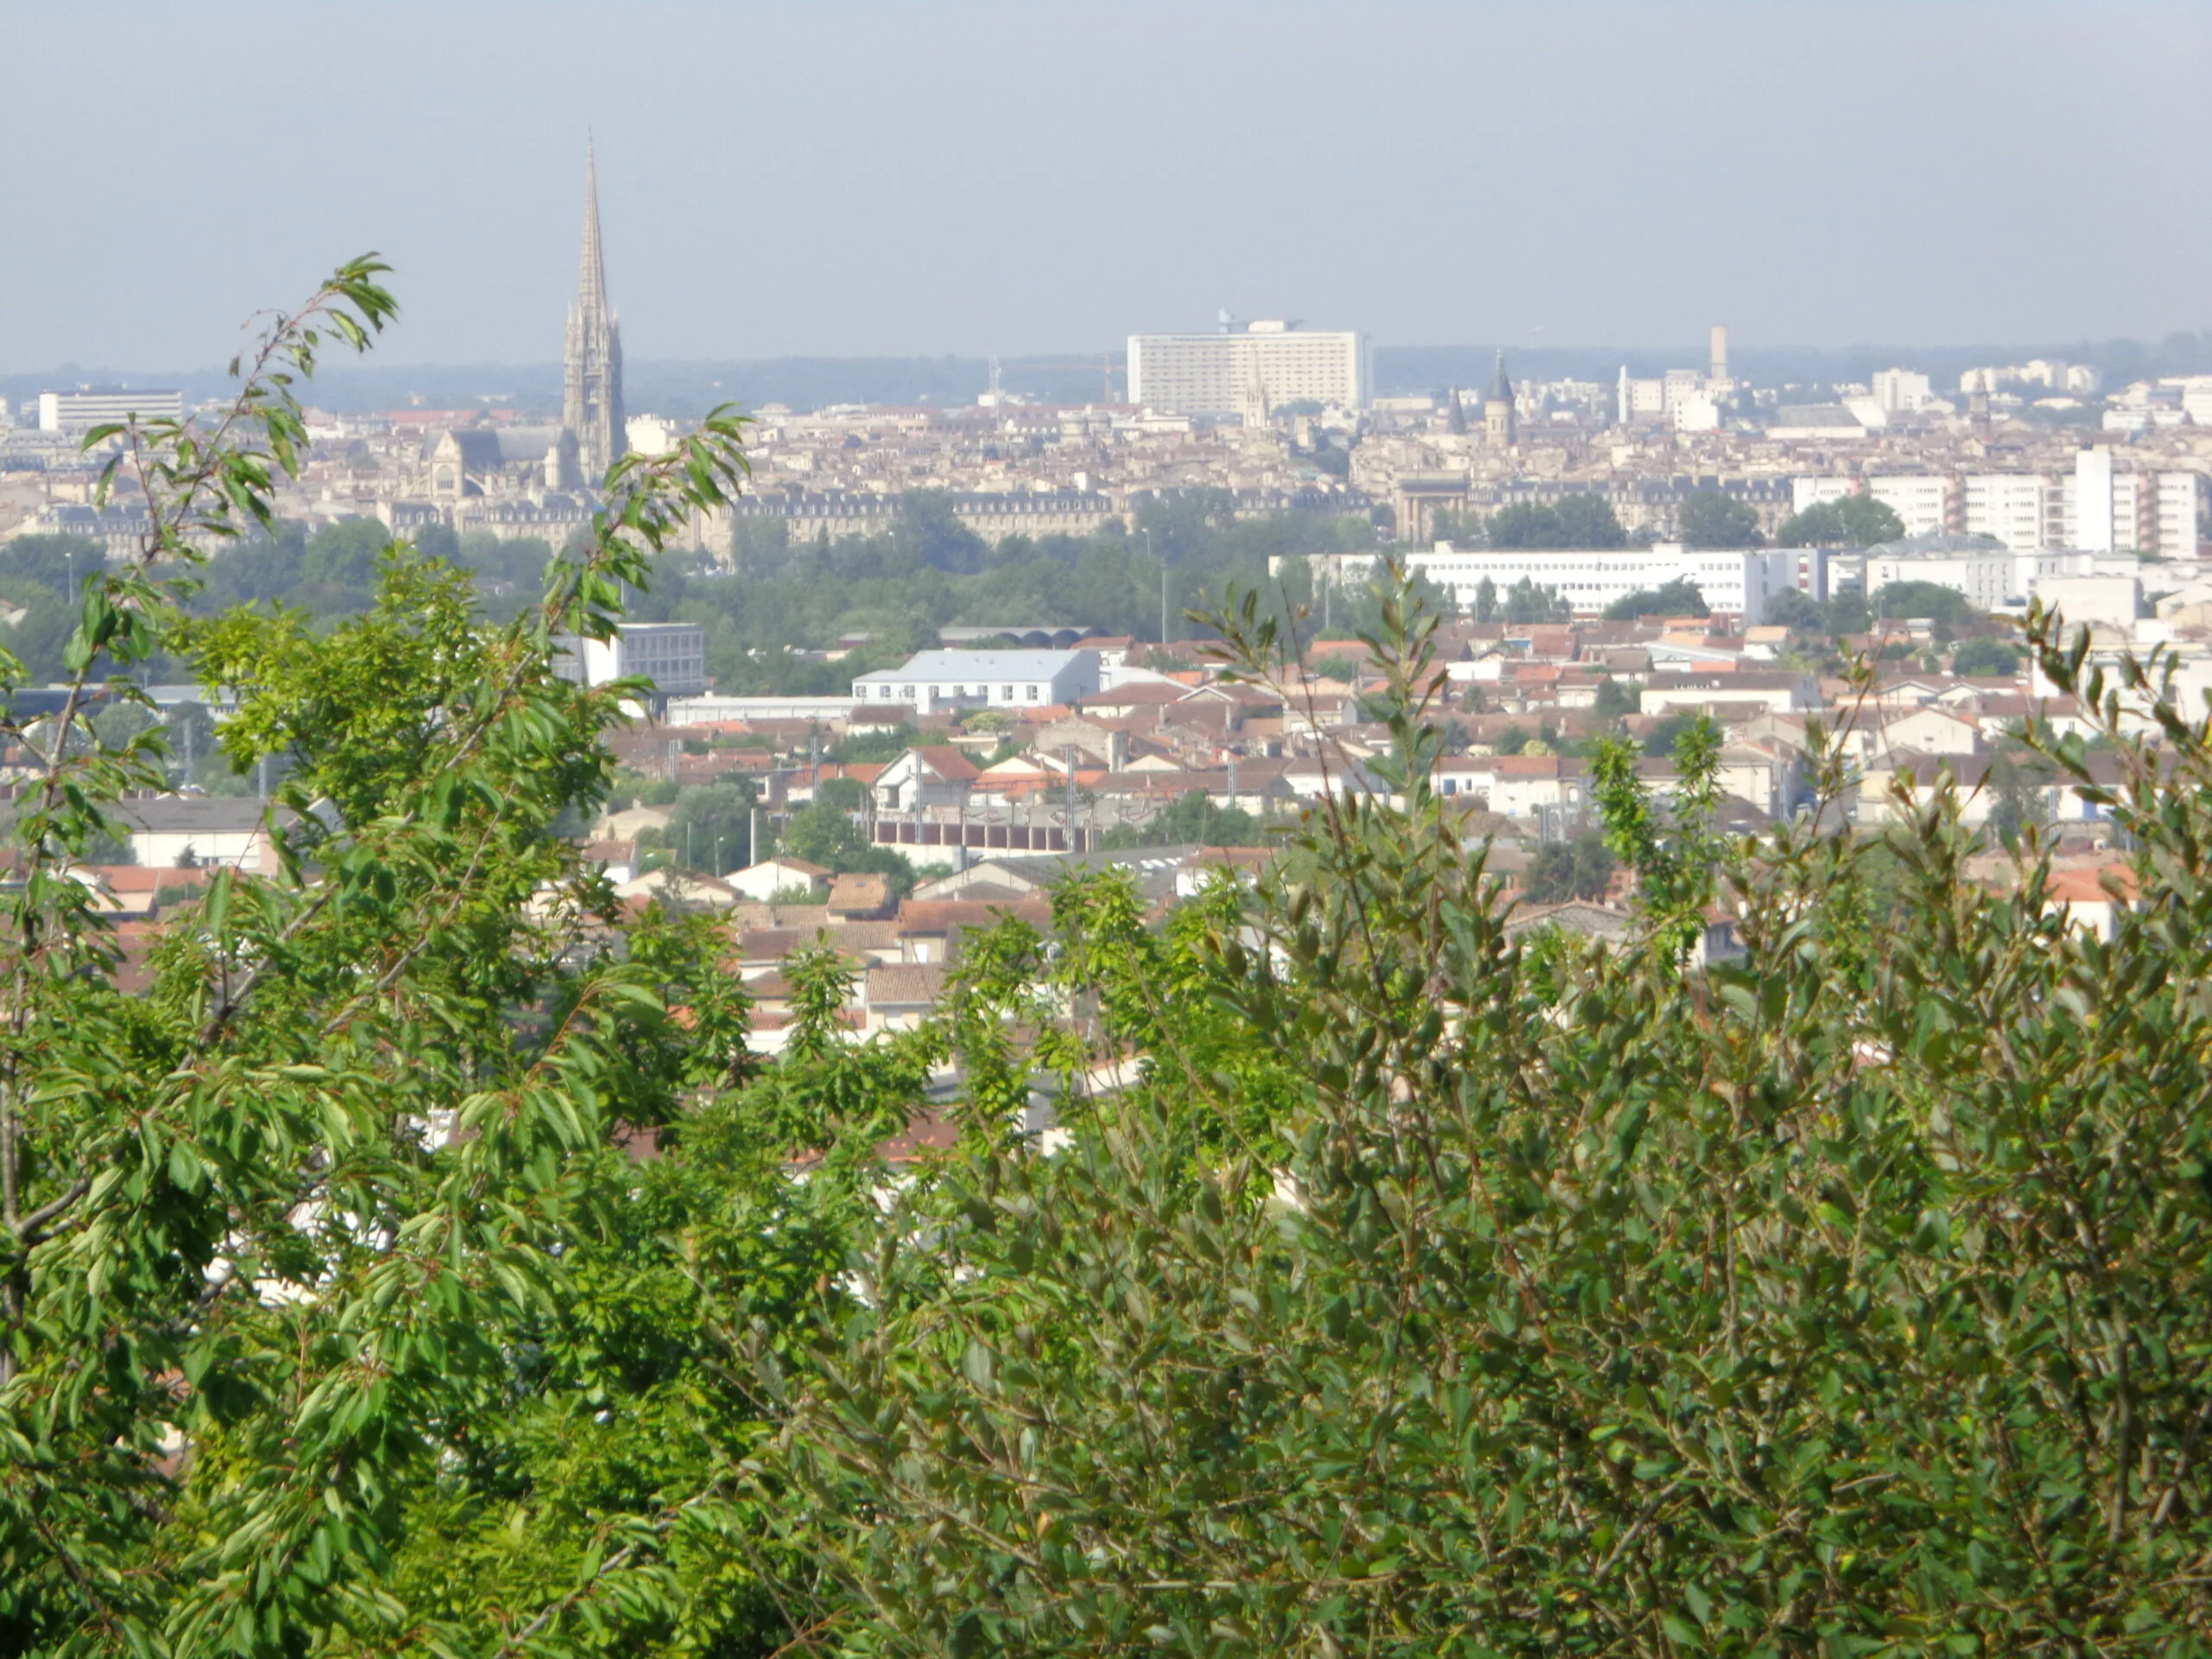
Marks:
<point>1851,1297</point>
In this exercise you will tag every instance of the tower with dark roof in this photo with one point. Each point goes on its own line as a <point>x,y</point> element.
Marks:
<point>591,379</point>
<point>1499,428</point>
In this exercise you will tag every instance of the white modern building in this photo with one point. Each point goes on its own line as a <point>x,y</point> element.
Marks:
<point>1988,579</point>
<point>2022,510</point>
<point>1733,581</point>
<point>1901,392</point>
<point>978,680</point>
<point>1922,500</point>
<point>1247,368</point>
<point>672,655</point>
<point>73,413</point>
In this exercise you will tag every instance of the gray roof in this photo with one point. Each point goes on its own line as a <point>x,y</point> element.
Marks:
<point>192,814</point>
<point>968,666</point>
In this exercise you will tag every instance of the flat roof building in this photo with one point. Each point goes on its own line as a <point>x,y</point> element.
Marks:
<point>79,411</point>
<point>978,680</point>
<point>1250,369</point>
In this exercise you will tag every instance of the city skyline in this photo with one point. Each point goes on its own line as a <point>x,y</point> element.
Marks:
<point>1981,174</point>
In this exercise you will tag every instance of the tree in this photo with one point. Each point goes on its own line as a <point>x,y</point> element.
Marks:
<point>1947,607</point>
<point>1580,519</point>
<point>298,1204</point>
<point>710,826</point>
<point>1526,602</point>
<point>1795,608</point>
<point>1680,597</point>
<point>1615,700</point>
<point>1629,1307</point>
<point>1581,868</point>
<point>1485,601</point>
<point>2019,789</point>
<point>1193,816</point>
<point>1847,521</point>
<point>1990,658</point>
<point>1711,519</point>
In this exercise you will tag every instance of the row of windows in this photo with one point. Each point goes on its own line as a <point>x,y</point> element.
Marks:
<point>910,693</point>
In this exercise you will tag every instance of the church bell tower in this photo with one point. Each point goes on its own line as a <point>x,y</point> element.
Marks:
<point>591,380</point>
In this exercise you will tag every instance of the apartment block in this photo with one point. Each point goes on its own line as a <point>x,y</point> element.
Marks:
<point>1256,367</point>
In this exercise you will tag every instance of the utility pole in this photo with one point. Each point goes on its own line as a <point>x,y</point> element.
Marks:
<point>1068,752</point>
<point>1150,548</point>
<point>753,835</point>
<point>675,749</point>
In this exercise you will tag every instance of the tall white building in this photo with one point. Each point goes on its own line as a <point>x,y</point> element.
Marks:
<point>1922,500</point>
<point>1733,581</point>
<point>77,412</point>
<point>1900,391</point>
<point>1262,364</point>
<point>2022,510</point>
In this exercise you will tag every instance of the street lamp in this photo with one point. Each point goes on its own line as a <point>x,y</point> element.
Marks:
<point>718,853</point>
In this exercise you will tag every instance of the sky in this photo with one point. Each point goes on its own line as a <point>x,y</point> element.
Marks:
<point>924,177</point>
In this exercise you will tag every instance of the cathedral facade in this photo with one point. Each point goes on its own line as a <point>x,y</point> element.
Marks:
<point>591,380</point>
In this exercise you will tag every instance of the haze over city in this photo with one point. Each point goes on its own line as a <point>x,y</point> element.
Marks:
<point>859,179</point>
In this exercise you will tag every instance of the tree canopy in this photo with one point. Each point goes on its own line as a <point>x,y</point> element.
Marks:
<point>1711,519</point>
<point>420,1256</point>
<point>1578,519</point>
<point>1680,597</point>
<point>1848,521</point>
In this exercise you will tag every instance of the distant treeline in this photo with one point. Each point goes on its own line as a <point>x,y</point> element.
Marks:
<point>689,389</point>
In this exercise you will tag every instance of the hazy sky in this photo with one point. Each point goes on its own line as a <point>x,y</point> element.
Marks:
<point>843,178</point>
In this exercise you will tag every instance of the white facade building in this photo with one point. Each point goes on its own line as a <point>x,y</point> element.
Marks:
<point>1922,500</point>
<point>1986,579</point>
<point>1733,581</point>
<point>976,679</point>
<point>1267,364</point>
<point>1901,392</point>
<point>2097,508</point>
<point>78,412</point>
<point>672,655</point>
<point>2022,510</point>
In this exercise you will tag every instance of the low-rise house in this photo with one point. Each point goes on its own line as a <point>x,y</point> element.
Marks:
<point>616,860</point>
<point>934,775</point>
<point>861,898</point>
<point>173,832</point>
<point>900,996</point>
<point>783,873</point>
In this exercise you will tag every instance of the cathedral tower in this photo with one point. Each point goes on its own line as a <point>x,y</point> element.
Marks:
<point>1500,429</point>
<point>591,380</point>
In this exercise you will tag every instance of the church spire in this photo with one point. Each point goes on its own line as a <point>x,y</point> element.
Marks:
<point>591,285</point>
<point>591,380</point>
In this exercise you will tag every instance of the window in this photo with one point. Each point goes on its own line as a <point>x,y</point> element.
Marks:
<point>1032,693</point>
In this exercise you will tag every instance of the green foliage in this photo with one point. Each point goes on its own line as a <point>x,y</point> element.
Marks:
<point>710,826</point>
<point>1680,597</point>
<point>1709,518</point>
<point>1845,1298</point>
<point>1577,520</point>
<point>825,833</point>
<point>1847,521</point>
<point>1615,700</point>
<point>299,1202</point>
<point>1192,816</point>
<point>1992,658</point>
<point>1947,607</point>
<point>1581,868</point>
<point>1526,602</point>
<point>1794,609</point>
